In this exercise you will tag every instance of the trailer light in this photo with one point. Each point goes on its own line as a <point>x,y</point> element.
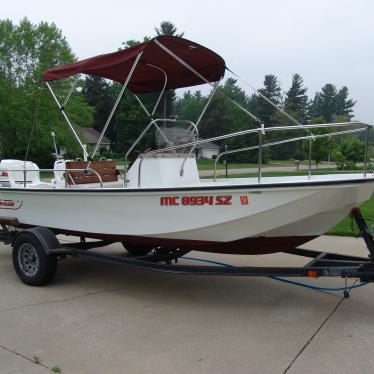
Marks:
<point>312,273</point>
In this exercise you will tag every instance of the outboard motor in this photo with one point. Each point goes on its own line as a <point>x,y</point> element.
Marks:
<point>12,174</point>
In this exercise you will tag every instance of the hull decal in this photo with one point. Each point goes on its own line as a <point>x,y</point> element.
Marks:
<point>10,204</point>
<point>195,200</point>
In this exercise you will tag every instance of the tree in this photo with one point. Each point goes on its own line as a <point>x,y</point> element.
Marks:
<point>272,91</point>
<point>98,94</point>
<point>189,106</point>
<point>344,106</point>
<point>129,118</point>
<point>330,103</point>
<point>26,50</point>
<point>130,121</point>
<point>296,98</point>
<point>352,149</point>
<point>132,42</point>
<point>223,117</point>
<point>234,92</point>
<point>168,28</point>
<point>321,147</point>
<point>324,103</point>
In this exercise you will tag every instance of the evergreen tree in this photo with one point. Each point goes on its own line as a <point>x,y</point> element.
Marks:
<point>344,106</point>
<point>96,90</point>
<point>224,117</point>
<point>168,28</point>
<point>324,103</point>
<point>234,92</point>
<point>272,91</point>
<point>330,103</point>
<point>296,99</point>
<point>189,106</point>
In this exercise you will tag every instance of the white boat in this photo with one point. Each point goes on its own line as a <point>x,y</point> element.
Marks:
<point>160,201</point>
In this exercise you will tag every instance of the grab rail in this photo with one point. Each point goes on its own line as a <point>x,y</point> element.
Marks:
<point>154,123</point>
<point>308,137</point>
<point>262,131</point>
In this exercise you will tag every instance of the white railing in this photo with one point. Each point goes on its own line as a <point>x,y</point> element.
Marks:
<point>262,131</point>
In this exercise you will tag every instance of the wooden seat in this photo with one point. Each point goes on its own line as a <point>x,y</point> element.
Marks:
<point>106,169</point>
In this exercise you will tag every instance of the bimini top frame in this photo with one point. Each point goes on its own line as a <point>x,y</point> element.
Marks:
<point>180,63</point>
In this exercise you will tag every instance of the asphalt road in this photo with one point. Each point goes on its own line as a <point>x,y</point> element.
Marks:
<point>105,318</point>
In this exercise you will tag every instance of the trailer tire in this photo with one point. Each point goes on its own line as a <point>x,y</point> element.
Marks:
<point>31,262</point>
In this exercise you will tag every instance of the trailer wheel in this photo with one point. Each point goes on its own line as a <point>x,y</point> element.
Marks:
<point>31,263</point>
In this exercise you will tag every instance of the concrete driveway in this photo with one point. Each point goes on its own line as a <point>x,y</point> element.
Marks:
<point>104,318</point>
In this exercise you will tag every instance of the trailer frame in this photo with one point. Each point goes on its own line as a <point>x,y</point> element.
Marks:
<point>322,264</point>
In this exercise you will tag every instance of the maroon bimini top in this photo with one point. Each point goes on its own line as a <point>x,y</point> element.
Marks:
<point>116,66</point>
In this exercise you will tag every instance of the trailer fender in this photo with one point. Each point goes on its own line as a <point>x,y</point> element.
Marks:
<point>44,235</point>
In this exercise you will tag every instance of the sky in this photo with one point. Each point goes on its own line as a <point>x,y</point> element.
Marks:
<point>325,41</point>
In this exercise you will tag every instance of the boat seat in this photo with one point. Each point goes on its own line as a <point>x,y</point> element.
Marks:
<point>106,169</point>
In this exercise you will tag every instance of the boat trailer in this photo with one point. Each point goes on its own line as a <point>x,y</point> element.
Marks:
<point>37,250</point>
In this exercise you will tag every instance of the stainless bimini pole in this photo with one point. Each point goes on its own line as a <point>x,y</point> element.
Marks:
<point>150,115</point>
<point>163,88</point>
<point>117,102</point>
<point>182,62</point>
<point>67,120</point>
<point>194,71</point>
<point>181,171</point>
<point>159,97</point>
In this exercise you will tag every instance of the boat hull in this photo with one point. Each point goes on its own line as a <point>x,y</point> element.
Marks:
<point>243,219</point>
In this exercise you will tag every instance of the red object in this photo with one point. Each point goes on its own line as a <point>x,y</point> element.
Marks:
<point>244,200</point>
<point>116,66</point>
<point>4,174</point>
<point>312,273</point>
<point>355,211</point>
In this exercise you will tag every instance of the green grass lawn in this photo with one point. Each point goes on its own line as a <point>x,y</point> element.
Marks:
<point>204,164</point>
<point>344,228</point>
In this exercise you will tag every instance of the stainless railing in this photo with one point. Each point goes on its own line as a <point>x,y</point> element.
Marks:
<point>308,137</point>
<point>154,123</point>
<point>262,132</point>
